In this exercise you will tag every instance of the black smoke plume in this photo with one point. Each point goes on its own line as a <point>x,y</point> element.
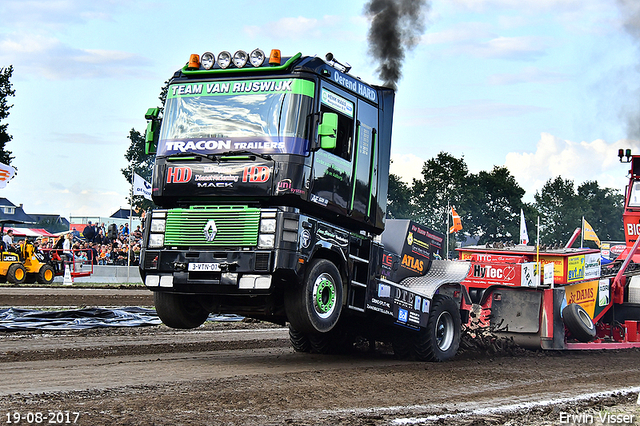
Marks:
<point>396,27</point>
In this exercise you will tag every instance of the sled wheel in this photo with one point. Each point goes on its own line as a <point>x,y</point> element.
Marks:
<point>16,273</point>
<point>179,310</point>
<point>299,341</point>
<point>440,340</point>
<point>316,304</point>
<point>579,323</point>
<point>46,274</point>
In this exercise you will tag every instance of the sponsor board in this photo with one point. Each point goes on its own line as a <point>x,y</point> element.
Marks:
<point>592,266</point>
<point>575,268</point>
<point>584,294</point>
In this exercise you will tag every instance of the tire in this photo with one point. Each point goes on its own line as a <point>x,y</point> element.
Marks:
<point>440,340</point>
<point>16,273</point>
<point>403,345</point>
<point>336,341</point>
<point>579,323</point>
<point>299,341</point>
<point>315,305</point>
<point>179,310</point>
<point>46,274</point>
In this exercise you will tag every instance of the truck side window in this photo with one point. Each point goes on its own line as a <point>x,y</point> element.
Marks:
<point>345,110</point>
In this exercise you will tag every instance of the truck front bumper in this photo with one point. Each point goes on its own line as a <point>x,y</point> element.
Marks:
<point>212,272</point>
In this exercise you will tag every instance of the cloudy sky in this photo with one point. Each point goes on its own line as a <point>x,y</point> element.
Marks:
<point>545,87</point>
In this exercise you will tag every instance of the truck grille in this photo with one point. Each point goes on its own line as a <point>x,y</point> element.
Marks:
<point>235,226</point>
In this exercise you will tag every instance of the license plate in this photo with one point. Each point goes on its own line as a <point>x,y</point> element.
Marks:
<point>208,267</point>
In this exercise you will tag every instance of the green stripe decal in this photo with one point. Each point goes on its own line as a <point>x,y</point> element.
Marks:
<point>242,87</point>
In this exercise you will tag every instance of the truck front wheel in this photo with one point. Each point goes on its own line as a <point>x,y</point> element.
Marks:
<point>441,339</point>
<point>179,310</point>
<point>316,304</point>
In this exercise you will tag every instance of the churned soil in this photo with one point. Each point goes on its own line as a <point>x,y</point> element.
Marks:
<point>245,373</point>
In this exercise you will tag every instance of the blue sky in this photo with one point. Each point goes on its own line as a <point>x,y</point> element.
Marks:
<point>545,87</point>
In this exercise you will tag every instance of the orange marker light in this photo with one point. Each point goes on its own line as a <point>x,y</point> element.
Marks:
<point>194,61</point>
<point>274,58</point>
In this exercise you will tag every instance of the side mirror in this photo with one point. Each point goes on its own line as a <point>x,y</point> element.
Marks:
<point>328,130</point>
<point>153,126</point>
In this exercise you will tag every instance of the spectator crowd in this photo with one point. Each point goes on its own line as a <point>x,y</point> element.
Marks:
<point>98,244</point>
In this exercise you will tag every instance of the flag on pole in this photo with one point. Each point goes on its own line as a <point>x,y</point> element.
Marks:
<point>141,187</point>
<point>457,224</point>
<point>6,174</point>
<point>524,236</point>
<point>590,234</point>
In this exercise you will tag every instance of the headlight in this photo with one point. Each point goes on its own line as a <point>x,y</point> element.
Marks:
<point>156,240</point>
<point>207,60</point>
<point>267,226</point>
<point>256,58</point>
<point>240,58</point>
<point>157,225</point>
<point>224,59</point>
<point>266,241</point>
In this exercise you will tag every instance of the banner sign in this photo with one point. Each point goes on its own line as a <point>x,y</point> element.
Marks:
<point>259,145</point>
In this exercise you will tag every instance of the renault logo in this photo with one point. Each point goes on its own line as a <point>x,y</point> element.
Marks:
<point>210,230</point>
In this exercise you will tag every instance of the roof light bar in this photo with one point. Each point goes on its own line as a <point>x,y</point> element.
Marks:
<point>256,58</point>
<point>240,58</point>
<point>224,59</point>
<point>208,60</point>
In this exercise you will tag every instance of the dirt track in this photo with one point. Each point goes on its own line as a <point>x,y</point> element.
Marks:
<point>246,374</point>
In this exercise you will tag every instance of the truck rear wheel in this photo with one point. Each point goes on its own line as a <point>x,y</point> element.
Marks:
<point>16,273</point>
<point>441,338</point>
<point>579,322</point>
<point>315,306</point>
<point>179,310</point>
<point>299,341</point>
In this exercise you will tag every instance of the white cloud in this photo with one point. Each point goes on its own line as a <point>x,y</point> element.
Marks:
<point>57,14</point>
<point>525,6</point>
<point>528,75</point>
<point>480,39</point>
<point>406,166</point>
<point>459,33</point>
<point>517,48</point>
<point>478,109</point>
<point>578,161</point>
<point>291,28</point>
<point>48,57</point>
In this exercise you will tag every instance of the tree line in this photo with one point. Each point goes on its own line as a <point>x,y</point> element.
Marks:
<point>489,204</point>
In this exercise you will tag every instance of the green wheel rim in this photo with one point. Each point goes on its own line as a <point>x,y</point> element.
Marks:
<point>324,295</point>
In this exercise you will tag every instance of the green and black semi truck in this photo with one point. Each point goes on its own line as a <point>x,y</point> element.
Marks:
<point>271,178</point>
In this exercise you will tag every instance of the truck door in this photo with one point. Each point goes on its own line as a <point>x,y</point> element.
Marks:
<point>332,183</point>
<point>364,166</point>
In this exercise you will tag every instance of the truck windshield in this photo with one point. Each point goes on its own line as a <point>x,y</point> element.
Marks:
<point>264,116</point>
